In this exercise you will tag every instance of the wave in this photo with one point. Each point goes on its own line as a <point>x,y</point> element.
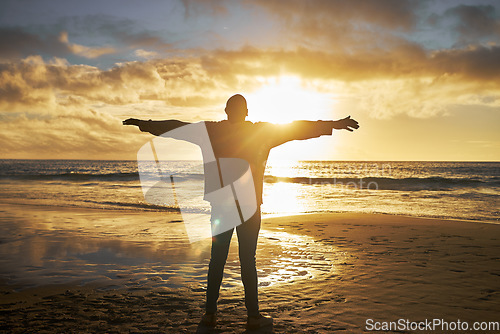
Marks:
<point>71,176</point>
<point>85,177</point>
<point>132,205</point>
<point>371,183</point>
<point>386,183</point>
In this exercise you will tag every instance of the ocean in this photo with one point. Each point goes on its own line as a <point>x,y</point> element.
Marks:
<point>79,221</point>
<point>445,190</point>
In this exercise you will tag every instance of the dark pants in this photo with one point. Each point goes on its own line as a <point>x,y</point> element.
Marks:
<point>248,233</point>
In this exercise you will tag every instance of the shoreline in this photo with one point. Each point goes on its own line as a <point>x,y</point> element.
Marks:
<point>174,211</point>
<point>381,267</point>
<point>444,219</point>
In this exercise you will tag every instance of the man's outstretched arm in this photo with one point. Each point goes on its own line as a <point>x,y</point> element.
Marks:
<point>300,130</point>
<point>156,128</point>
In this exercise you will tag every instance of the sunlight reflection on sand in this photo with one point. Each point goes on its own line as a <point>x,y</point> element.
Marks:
<point>139,250</point>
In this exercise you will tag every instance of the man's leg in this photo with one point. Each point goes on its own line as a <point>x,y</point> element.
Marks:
<point>218,257</point>
<point>248,233</point>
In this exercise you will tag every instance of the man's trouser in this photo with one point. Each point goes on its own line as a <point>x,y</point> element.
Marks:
<point>248,233</point>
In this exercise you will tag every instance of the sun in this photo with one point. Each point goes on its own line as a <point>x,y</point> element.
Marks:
<point>285,99</point>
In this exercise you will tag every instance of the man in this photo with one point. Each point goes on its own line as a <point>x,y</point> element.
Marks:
<point>251,142</point>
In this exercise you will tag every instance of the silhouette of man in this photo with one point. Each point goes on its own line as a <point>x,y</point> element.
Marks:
<point>237,138</point>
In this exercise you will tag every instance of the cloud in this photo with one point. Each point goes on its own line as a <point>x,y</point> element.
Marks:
<point>142,39</point>
<point>475,63</point>
<point>206,80</point>
<point>406,80</point>
<point>53,107</point>
<point>146,54</point>
<point>478,63</point>
<point>473,23</point>
<point>392,14</point>
<point>81,133</point>
<point>212,7</point>
<point>34,83</point>
<point>15,43</point>
<point>57,110</point>
<point>18,42</point>
<point>328,24</point>
<point>85,51</point>
<point>124,33</point>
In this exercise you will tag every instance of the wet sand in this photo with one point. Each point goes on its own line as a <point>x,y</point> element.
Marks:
<point>363,266</point>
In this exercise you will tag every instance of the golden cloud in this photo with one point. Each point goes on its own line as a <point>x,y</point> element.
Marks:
<point>84,51</point>
<point>55,107</point>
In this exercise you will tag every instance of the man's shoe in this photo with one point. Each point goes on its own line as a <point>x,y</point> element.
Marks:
<point>259,321</point>
<point>209,320</point>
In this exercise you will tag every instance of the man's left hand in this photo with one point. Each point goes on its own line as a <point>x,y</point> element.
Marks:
<point>346,124</point>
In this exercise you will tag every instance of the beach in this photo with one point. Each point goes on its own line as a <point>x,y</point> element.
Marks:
<point>89,270</point>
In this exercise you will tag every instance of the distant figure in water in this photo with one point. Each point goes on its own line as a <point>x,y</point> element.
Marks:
<point>237,138</point>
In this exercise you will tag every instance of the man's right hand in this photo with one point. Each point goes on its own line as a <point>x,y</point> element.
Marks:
<point>132,121</point>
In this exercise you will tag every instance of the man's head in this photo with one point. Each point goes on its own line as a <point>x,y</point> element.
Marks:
<point>236,108</point>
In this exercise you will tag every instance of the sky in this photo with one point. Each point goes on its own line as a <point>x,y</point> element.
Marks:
<point>421,77</point>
